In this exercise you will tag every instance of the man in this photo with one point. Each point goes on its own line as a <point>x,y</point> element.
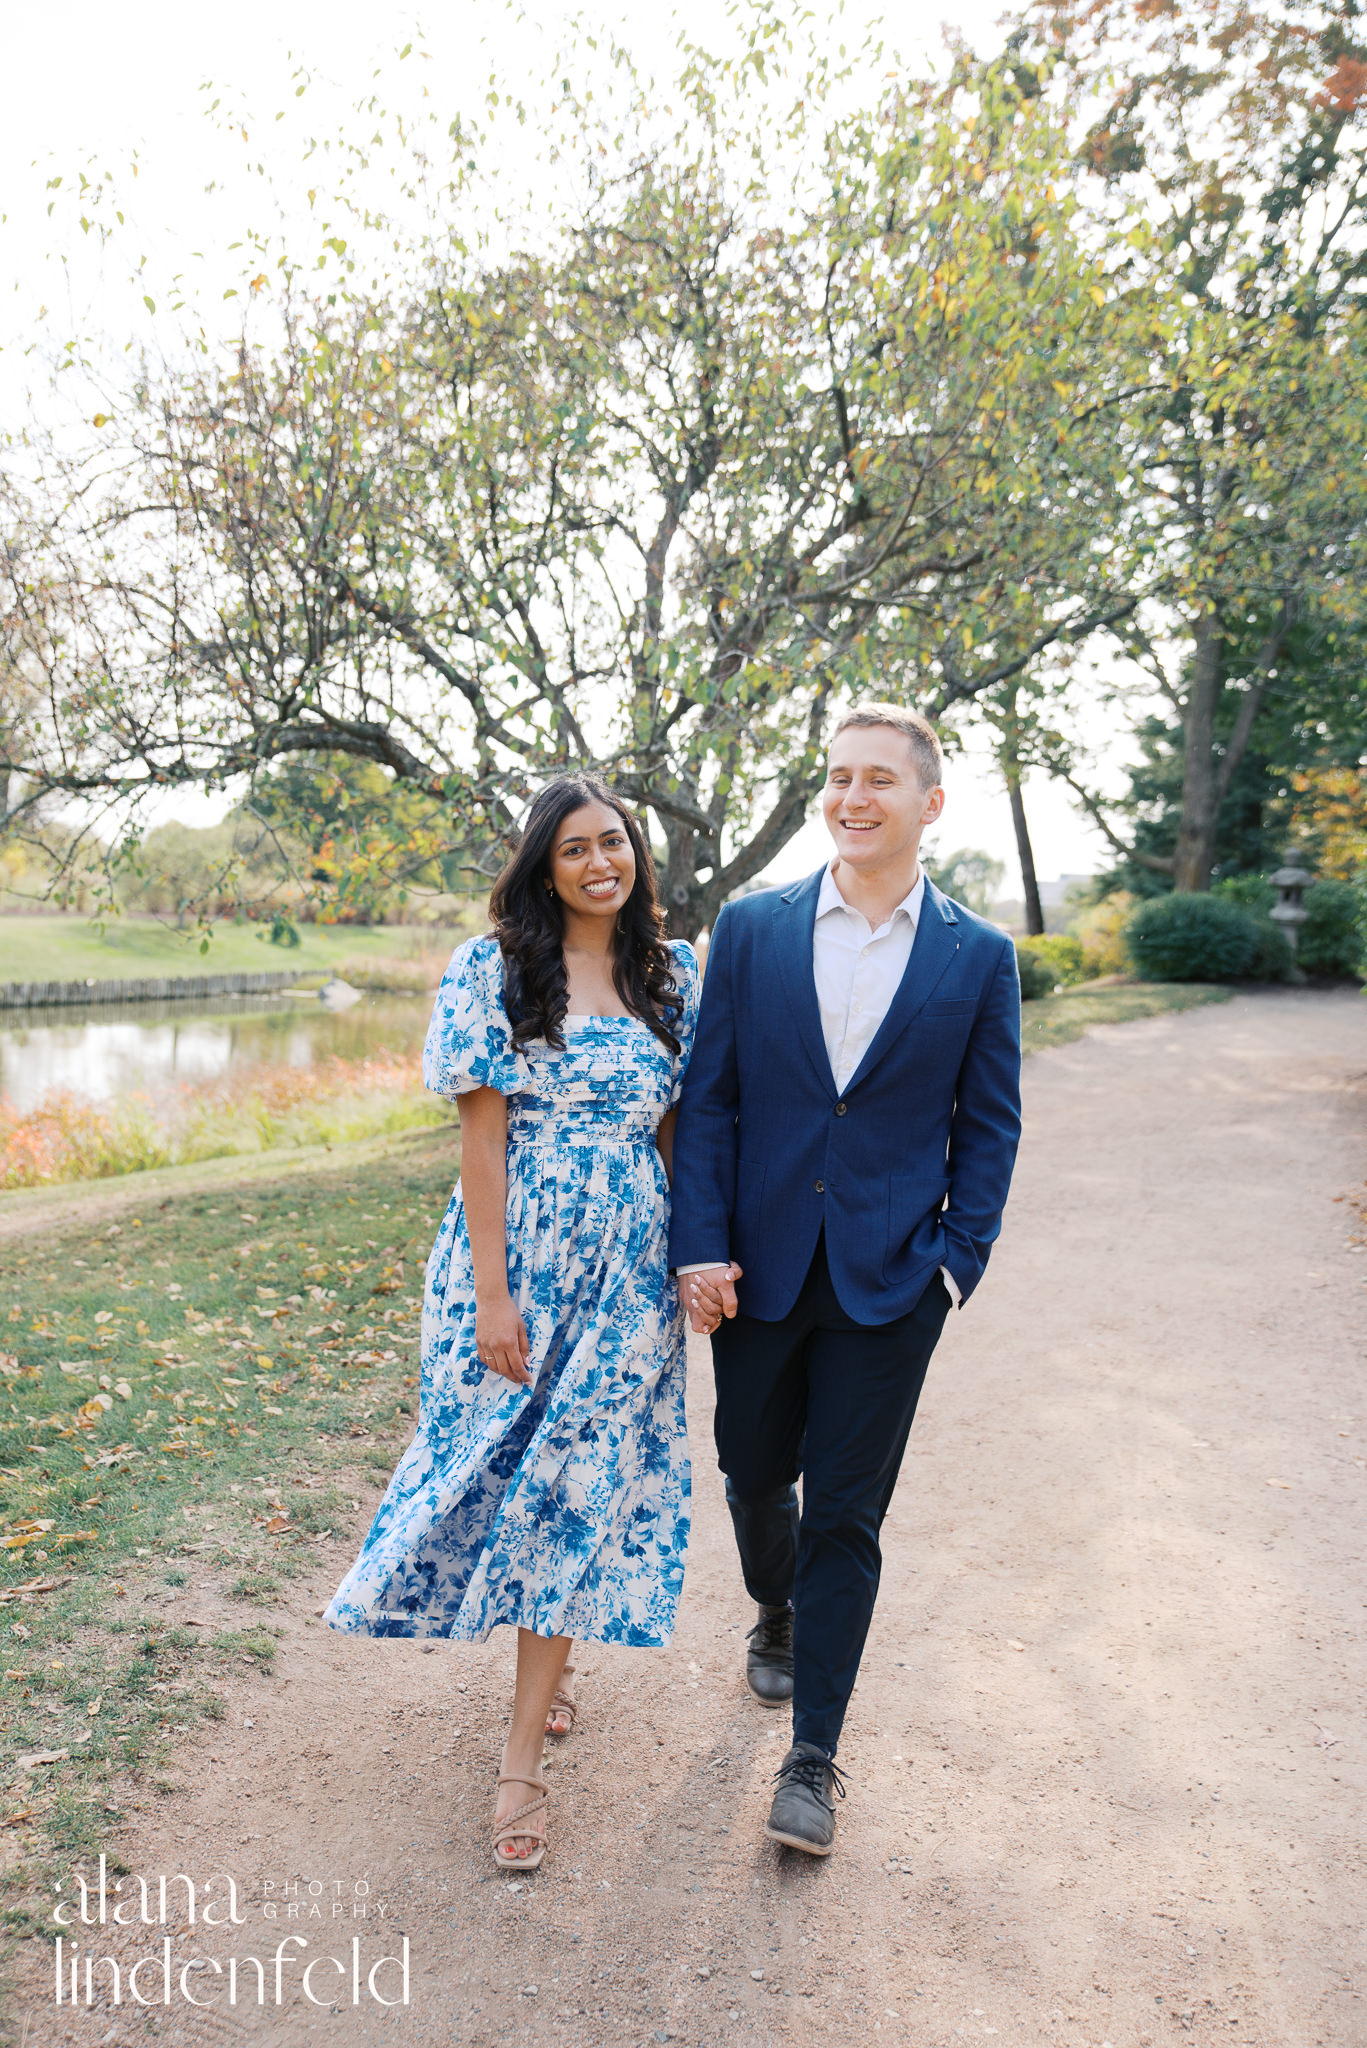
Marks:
<point>845,1141</point>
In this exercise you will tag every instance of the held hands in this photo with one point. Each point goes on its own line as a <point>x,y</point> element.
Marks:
<point>710,1295</point>
<point>501,1340</point>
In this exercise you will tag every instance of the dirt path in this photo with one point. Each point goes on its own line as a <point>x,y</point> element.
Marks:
<point>1106,1755</point>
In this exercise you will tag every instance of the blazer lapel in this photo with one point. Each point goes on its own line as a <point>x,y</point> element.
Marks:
<point>794,924</point>
<point>933,948</point>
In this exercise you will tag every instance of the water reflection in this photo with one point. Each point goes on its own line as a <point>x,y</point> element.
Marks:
<point>101,1054</point>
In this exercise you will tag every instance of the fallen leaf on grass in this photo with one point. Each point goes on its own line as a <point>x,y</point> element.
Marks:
<point>93,1706</point>
<point>12,1820</point>
<point>277,1523</point>
<point>120,1455</point>
<point>35,1586</point>
<point>41,1756</point>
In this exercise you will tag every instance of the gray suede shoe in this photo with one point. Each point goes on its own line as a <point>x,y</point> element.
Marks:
<point>803,1813</point>
<point>769,1659</point>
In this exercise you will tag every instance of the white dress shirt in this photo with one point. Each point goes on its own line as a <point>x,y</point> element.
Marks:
<point>858,971</point>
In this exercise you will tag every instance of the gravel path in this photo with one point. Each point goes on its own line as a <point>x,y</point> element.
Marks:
<point>1105,1757</point>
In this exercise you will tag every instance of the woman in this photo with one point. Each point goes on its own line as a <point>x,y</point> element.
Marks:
<point>548,1483</point>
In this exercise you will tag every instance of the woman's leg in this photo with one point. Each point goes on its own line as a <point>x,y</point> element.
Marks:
<point>558,1722</point>
<point>540,1660</point>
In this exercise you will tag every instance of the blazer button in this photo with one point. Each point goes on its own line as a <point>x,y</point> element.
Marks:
<point>841,1108</point>
<point>820,1186</point>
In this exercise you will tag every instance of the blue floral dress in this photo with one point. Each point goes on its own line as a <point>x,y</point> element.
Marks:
<point>562,1506</point>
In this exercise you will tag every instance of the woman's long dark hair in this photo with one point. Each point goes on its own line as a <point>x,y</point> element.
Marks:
<point>529,924</point>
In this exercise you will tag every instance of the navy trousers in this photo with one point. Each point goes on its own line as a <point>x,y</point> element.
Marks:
<point>819,1395</point>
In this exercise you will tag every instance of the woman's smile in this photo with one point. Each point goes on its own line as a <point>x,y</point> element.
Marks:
<point>592,865</point>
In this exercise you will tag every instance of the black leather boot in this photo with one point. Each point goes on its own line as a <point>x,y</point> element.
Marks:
<point>803,1813</point>
<point>769,1659</point>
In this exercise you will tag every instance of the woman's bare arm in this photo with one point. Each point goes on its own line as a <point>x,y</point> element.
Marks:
<point>500,1334</point>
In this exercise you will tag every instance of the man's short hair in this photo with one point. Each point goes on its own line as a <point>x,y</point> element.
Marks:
<point>917,731</point>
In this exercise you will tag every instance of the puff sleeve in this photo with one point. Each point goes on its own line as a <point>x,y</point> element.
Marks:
<point>469,1041</point>
<point>688,977</point>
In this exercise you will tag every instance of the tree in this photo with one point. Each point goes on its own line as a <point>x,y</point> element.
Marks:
<point>1328,815</point>
<point>756,422</point>
<point>1254,815</point>
<point>1012,726</point>
<point>1245,417</point>
<point>369,839</point>
<point>968,875</point>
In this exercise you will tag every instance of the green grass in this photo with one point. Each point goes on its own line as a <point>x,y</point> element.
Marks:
<point>233,1450</point>
<point>1054,1020</point>
<point>69,948</point>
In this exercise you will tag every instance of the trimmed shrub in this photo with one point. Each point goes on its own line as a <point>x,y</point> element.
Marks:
<point>1037,977</point>
<point>1252,892</point>
<point>1196,938</point>
<point>1275,961</point>
<point>1331,939</point>
<point>1059,954</point>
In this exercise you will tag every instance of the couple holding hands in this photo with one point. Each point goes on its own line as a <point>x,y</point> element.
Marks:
<point>807,1157</point>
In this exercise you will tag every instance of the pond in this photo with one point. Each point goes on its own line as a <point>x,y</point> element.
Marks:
<point>105,1053</point>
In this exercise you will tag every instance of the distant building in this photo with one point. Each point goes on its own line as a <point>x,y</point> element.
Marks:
<point>1053,895</point>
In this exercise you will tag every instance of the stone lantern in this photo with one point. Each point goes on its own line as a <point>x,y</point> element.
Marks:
<point>1290,882</point>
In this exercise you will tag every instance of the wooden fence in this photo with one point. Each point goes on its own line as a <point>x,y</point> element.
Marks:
<point>42,995</point>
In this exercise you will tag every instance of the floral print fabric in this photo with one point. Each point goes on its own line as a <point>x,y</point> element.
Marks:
<point>562,1506</point>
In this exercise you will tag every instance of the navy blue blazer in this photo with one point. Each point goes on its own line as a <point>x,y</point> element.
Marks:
<point>908,1169</point>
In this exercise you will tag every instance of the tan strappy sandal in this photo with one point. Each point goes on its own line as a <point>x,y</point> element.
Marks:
<point>513,1825</point>
<point>562,1707</point>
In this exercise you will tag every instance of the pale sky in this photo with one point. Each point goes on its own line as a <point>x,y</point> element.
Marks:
<point>92,86</point>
